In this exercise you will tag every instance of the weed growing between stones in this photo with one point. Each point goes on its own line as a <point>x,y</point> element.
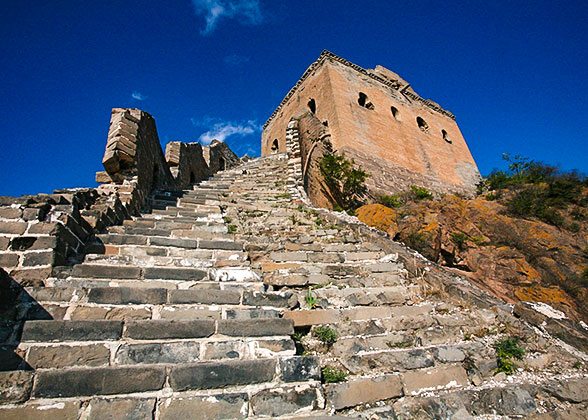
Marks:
<point>231,229</point>
<point>311,301</point>
<point>507,350</point>
<point>326,335</point>
<point>332,375</point>
<point>401,345</point>
<point>420,193</point>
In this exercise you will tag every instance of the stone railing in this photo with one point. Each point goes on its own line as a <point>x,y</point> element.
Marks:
<point>327,55</point>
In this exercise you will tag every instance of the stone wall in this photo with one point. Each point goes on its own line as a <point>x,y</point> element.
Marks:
<point>39,232</point>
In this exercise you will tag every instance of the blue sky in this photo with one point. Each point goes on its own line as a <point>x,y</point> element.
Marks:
<point>513,72</point>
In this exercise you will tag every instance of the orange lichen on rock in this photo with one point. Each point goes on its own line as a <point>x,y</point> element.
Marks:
<point>380,217</point>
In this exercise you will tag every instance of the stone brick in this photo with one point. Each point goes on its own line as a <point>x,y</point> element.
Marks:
<point>106,271</point>
<point>24,243</point>
<point>114,239</point>
<point>313,317</point>
<point>15,386</point>
<point>151,329</point>
<point>45,228</point>
<point>255,327</point>
<point>288,256</point>
<point>213,407</point>
<point>280,401</point>
<point>38,258</point>
<point>4,241</point>
<point>65,356</point>
<point>205,244</point>
<point>430,379</point>
<point>166,273</point>
<point>121,409</point>
<point>233,349</point>
<point>205,296</point>
<point>281,300</point>
<point>180,313</point>
<point>362,391</point>
<point>152,353</point>
<point>300,369</point>
<point>8,260</point>
<point>210,375</point>
<point>10,212</point>
<point>125,295</point>
<point>52,331</point>
<point>251,313</point>
<point>13,228</point>
<point>67,410</point>
<point>97,381</point>
<point>176,242</point>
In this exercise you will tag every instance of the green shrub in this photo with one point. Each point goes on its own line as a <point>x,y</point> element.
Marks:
<point>333,375</point>
<point>326,334</point>
<point>231,229</point>
<point>420,193</point>
<point>507,350</point>
<point>392,201</point>
<point>345,182</point>
<point>458,238</point>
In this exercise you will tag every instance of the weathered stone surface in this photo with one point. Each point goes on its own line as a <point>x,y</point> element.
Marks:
<point>572,390</point>
<point>67,410</point>
<point>168,273</point>
<point>449,354</point>
<point>510,401</point>
<point>10,212</point>
<point>280,401</point>
<point>300,368</point>
<point>180,352</point>
<point>15,386</point>
<point>209,375</point>
<point>106,271</point>
<point>315,317</point>
<point>434,378</point>
<point>121,409</point>
<point>205,244</point>
<point>281,300</point>
<point>64,356</point>
<point>4,241</point>
<point>150,329</point>
<point>38,258</point>
<point>97,381</point>
<point>124,295</point>
<point>214,407</point>
<point>225,350</point>
<point>205,296</point>
<point>256,327</point>
<point>288,256</point>
<point>13,228</point>
<point>71,330</point>
<point>8,260</point>
<point>363,391</point>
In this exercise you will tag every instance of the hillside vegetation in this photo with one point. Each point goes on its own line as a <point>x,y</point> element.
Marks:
<point>524,237</point>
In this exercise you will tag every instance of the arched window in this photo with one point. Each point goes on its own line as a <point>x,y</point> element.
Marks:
<point>445,137</point>
<point>395,112</point>
<point>312,106</point>
<point>422,125</point>
<point>221,164</point>
<point>362,100</point>
<point>275,146</point>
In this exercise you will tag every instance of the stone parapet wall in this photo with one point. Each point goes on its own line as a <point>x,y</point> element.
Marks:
<point>39,232</point>
<point>46,230</point>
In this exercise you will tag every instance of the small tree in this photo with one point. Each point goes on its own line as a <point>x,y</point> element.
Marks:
<point>345,182</point>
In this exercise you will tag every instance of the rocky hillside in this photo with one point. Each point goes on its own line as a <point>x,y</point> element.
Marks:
<point>524,239</point>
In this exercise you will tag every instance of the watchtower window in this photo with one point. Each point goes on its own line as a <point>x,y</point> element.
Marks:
<point>275,146</point>
<point>221,164</point>
<point>445,137</point>
<point>312,106</point>
<point>362,100</point>
<point>395,112</point>
<point>422,125</point>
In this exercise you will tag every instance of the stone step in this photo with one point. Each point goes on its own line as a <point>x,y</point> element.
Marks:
<point>253,285</point>
<point>215,255</point>
<point>307,317</point>
<point>54,331</point>
<point>209,375</point>
<point>157,296</point>
<point>198,241</point>
<point>124,353</point>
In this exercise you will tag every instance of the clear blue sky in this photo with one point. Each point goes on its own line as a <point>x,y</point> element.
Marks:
<point>513,72</point>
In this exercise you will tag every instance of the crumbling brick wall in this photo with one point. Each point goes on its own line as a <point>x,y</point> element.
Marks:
<point>186,162</point>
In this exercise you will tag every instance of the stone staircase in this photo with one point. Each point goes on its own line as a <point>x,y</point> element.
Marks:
<point>236,299</point>
<point>165,319</point>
